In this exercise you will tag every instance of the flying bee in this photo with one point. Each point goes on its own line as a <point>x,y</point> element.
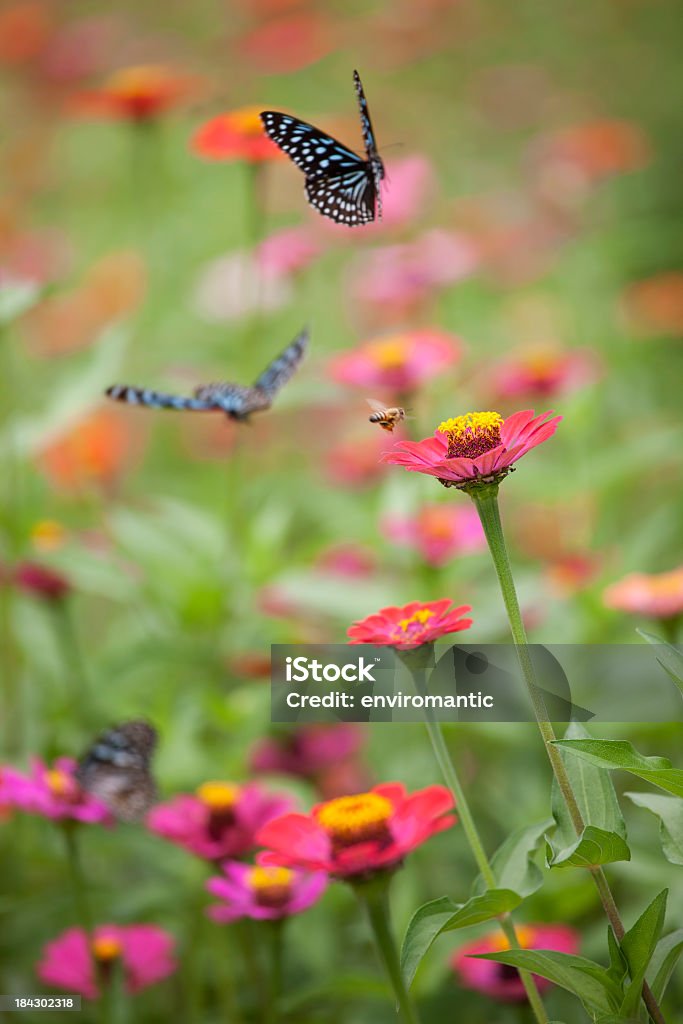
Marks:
<point>386,417</point>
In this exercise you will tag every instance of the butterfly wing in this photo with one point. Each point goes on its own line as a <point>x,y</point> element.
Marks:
<point>116,769</point>
<point>157,399</point>
<point>277,373</point>
<point>345,198</point>
<point>365,122</point>
<point>311,150</point>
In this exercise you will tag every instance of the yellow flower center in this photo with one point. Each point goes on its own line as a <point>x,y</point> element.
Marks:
<point>129,83</point>
<point>472,434</point>
<point>419,618</point>
<point>437,523</point>
<point>525,936</point>
<point>667,584</point>
<point>106,948</point>
<point>59,783</point>
<point>272,886</point>
<point>389,353</point>
<point>48,535</point>
<point>218,796</point>
<point>246,120</point>
<point>356,819</point>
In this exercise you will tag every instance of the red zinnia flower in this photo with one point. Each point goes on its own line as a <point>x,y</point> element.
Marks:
<point>356,835</point>
<point>479,447</point>
<point>415,624</point>
<point>498,980</point>
<point>139,93</point>
<point>657,596</point>
<point>235,135</point>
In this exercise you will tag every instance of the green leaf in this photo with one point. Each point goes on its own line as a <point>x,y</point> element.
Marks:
<point>620,754</point>
<point>638,946</point>
<point>443,915</point>
<point>595,846</point>
<point>669,810</point>
<point>618,968</point>
<point>670,658</point>
<point>586,979</point>
<point>513,864</point>
<point>664,960</point>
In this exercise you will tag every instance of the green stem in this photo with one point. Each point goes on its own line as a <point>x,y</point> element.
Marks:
<point>275,950</point>
<point>374,897</point>
<point>486,502</point>
<point>448,770</point>
<point>74,664</point>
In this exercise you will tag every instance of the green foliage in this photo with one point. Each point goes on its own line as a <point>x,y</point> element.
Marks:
<point>669,810</point>
<point>621,754</point>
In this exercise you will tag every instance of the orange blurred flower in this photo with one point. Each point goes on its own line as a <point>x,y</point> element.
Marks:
<point>24,32</point>
<point>139,93</point>
<point>657,596</point>
<point>235,135</point>
<point>655,305</point>
<point>93,452</point>
<point>601,147</point>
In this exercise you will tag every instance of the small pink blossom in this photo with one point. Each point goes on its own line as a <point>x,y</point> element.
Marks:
<point>262,892</point>
<point>220,820</point>
<point>41,581</point>
<point>399,363</point>
<point>355,462</point>
<point>501,982</point>
<point>53,793</point>
<point>145,953</point>
<point>417,623</point>
<point>351,560</point>
<point>307,751</point>
<point>544,372</point>
<point>478,447</point>
<point>438,532</point>
<point>287,251</point>
<point>655,595</point>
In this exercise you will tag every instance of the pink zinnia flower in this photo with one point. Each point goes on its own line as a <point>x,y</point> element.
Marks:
<point>397,363</point>
<point>541,373</point>
<point>498,980</point>
<point>307,751</point>
<point>350,560</point>
<point>53,793</point>
<point>288,250</point>
<point>144,951</point>
<point>220,820</point>
<point>439,532</point>
<point>477,448</point>
<point>42,582</point>
<point>415,624</point>
<point>657,596</point>
<point>361,834</point>
<point>263,892</point>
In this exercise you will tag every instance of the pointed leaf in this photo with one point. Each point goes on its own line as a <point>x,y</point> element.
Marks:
<point>638,946</point>
<point>664,960</point>
<point>586,979</point>
<point>595,846</point>
<point>620,754</point>
<point>618,968</point>
<point>443,915</point>
<point>669,657</point>
<point>513,865</point>
<point>669,810</point>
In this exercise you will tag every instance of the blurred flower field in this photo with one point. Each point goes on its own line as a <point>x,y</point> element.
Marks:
<point>528,258</point>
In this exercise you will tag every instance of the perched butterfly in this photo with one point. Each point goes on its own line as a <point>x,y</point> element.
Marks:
<point>386,417</point>
<point>235,400</point>
<point>339,183</point>
<point>116,769</point>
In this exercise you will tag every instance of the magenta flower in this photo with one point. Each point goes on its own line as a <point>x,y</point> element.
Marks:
<point>308,751</point>
<point>220,820</point>
<point>287,251</point>
<point>415,624</point>
<point>53,793</point>
<point>351,560</point>
<point>398,363</point>
<point>41,582</point>
<point>498,980</point>
<point>438,532</point>
<point>477,448</point>
<point>262,892</point>
<point>358,835</point>
<point>144,951</point>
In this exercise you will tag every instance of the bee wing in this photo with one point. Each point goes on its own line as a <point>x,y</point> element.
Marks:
<point>375,405</point>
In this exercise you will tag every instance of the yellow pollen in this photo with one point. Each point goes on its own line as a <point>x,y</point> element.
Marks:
<point>218,796</point>
<point>267,878</point>
<point>525,937</point>
<point>106,947</point>
<point>245,120</point>
<point>421,616</point>
<point>472,434</point>
<point>389,353</point>
<point>355,819</point>
<point>48,535</point>
<point>59,782</point>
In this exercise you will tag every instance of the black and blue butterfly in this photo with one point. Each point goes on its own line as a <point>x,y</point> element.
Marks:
<point>235,400</point>
<point>117,769</point>
<point>339,183</point>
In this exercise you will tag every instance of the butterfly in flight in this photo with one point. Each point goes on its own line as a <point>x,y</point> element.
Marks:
<point>235,400</point>
<point>116,769</point>
<point>339,183</point>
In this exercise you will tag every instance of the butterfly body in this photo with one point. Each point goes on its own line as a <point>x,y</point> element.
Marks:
<point>237,401</point>
<point>339,184</point>
<point>116,769</point>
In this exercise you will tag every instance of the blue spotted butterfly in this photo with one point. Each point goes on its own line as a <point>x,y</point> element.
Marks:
<point>117,769</point>
<point>235,400</point>
<point>340,184</point>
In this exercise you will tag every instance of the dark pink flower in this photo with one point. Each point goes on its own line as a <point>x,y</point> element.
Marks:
<point>656,595</point>
<point>479,447</point>
<point>417,623</point>
<point>53,793</point>
<point>498,980</point>
<point>397,363</point>
<point>144,951</point>
<point>41,582</point>
<point>307,751</point>
<point>263,892</point>
<point>361,834</point>
<point>439,532</point>
<point>220,820</point>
